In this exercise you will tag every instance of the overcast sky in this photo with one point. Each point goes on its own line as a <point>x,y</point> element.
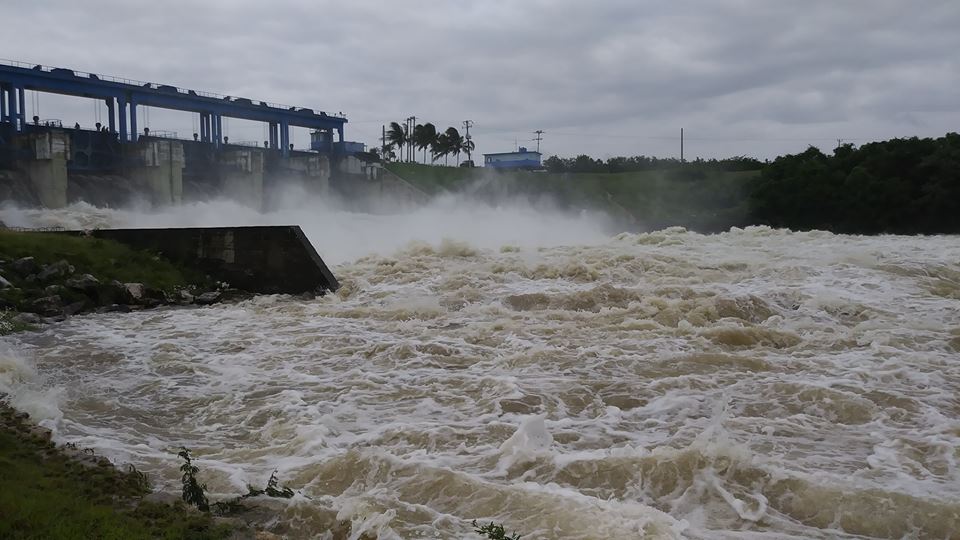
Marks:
<point>603,77</point>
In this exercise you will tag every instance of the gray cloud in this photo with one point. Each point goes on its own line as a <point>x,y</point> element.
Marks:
<point>607,77</point>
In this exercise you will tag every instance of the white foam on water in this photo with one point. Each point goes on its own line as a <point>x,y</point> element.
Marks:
<point>24,390</point>
<point>503,364</point>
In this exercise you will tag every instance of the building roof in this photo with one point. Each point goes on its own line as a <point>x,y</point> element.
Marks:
<point>513,153</point>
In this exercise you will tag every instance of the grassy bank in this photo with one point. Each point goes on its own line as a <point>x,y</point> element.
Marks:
<point>57,275</point>
<point>688,196</point>
<point>436,180</point>
<point>106,259</point>
<point>50,494</point>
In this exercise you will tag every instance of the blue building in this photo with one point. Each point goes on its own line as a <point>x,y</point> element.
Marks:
<point>521,159</point>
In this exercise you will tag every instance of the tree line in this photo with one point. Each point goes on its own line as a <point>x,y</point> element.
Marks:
<point>425,137</point>
<point>900,186</point>
<point>586,164</point>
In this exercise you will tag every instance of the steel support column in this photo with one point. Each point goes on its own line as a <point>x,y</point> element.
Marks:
<point>285,137</point>
<point>11,105</point>
<point>273,135</point>
<point>134,134</point>
<point>22,104</point>
<point>122,117</point>
<point>3,103</point>
<point>111,114</point>
<point>218,130</point>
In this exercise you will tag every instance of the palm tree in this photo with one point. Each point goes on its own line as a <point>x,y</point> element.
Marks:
<point>397,136</point>
<point>424,137</point>
<point>455,140</point>
<point>441,147</point>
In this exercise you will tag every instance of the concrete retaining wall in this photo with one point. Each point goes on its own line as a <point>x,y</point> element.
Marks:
<point>270,259</point>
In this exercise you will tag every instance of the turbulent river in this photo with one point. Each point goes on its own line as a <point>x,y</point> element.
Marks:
<point>529,368</point>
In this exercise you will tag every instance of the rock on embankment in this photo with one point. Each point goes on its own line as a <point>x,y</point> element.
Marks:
<point>56,290</point>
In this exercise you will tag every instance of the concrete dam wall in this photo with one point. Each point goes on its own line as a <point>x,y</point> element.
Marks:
<point>55,167</point>
<point>266,259</point>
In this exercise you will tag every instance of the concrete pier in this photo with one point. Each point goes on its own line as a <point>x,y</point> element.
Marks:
<point>241,176</point>
<point>314,170</point>
<point>158,165</point>
<point>47,169</point>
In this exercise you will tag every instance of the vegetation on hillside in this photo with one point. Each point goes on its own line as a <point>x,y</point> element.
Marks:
<point>902,186</point>
<point>686,169</point>
<point>693,196</point>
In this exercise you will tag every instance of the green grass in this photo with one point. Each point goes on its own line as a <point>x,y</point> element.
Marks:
<point>435,179</point>
<point>44,494</point>
<point>104,259</point>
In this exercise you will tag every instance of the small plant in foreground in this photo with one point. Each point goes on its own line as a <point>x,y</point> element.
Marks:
<point>193,491</point>
<point>494,531</point>
<point>271,489</point>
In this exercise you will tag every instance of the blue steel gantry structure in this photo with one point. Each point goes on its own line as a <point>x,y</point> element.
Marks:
<point>123,96</point>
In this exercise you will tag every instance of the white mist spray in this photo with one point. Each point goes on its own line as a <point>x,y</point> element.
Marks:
<point>340,235</point>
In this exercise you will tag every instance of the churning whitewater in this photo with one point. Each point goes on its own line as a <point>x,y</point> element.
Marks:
<point>752,384</point>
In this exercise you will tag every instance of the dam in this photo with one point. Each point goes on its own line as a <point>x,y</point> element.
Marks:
<point>47,162</point>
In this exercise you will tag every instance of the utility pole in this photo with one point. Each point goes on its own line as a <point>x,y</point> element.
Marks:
<point>539,138</point>
<point>681,145</point>
<point>383,143</point>
<point>466,127</point>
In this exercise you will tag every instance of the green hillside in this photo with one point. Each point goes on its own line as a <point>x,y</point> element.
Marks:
<point>690,196</point>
